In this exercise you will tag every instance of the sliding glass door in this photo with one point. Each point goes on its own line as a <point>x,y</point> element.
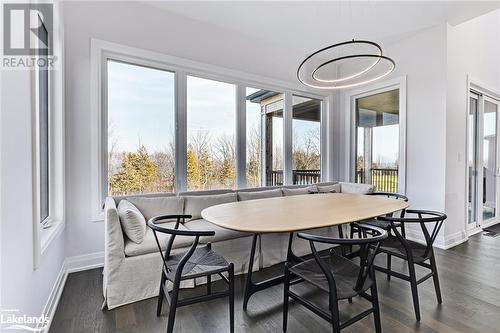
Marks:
<point>482,160</point>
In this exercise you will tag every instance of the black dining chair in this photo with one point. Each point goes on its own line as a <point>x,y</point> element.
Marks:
<point>383,224</point>
<point>198,261</point>
<point>338,276</point>
<point>414,253</point>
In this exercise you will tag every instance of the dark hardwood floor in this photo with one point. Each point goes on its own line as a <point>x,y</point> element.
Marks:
<point>470,283</point>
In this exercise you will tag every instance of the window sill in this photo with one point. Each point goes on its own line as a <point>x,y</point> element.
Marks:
<point>49,234</point>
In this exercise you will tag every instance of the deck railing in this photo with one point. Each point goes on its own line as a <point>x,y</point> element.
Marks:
<point>299,177</point>
<point>384,179</point>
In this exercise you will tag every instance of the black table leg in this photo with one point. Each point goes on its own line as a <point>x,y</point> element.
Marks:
<point>253,287</point>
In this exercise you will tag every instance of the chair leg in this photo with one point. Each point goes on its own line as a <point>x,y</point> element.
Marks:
<point>161,294</point>
<point>414,290</point>
<point>435,277</point>
<point>341,235</point>
<point>173,307</point>
<point>231,297</point>
<point>351,236</point>
<point>334,309</point>
<point>376,307</point>
<point>209,284</point>
<point>286,288</point>
<point>389,264</point>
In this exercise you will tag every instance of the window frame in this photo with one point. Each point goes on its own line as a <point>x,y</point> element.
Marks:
<point>44,232</point>
<point>182,68</point>
<point>350,99</point>
<point>43,221</point>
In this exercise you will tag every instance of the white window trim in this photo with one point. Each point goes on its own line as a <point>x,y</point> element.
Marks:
<point>43,237</point>
<point>182,67</point>
<point>350,97</point>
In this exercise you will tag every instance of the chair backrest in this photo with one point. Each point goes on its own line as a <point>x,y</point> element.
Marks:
<point>422,217</point>
<point>391,195</point>
<point>368,244</point>
<point>152,223</point>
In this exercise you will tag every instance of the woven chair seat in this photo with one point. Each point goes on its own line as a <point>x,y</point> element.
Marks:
<point>203,261</point>
<point>345,273</point>
<point>393,245</point>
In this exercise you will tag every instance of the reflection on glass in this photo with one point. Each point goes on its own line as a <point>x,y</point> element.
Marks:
<point>211,156</point>
<point>471,160</point>
<point>306,153</point>
<point>377,140</point>
<point>489,160</point>
<point>140,129</point>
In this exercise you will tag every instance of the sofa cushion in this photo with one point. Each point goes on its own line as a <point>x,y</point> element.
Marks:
<point>132,221</point>
<point>221,234</point>
<point>194,204</point>
<point>149,245</point>
<point>335,188</point>
<point>252,195</point>
<point>356,188</point>
<point>151,207</point>
<point>300,190</point>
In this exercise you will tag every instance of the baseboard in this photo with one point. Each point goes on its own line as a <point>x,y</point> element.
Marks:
<point>447,243</point>
<point>50,307</point>
<point>70,265</point>
<point>84,262</point>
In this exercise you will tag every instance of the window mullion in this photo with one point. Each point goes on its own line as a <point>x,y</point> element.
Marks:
<point>288,139</point>
<point>181,132</point>
<point>241,137</point>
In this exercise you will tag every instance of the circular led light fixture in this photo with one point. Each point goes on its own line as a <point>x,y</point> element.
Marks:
<point>345,65</point>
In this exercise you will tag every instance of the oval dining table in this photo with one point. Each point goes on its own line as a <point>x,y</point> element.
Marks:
<point>292,214</point>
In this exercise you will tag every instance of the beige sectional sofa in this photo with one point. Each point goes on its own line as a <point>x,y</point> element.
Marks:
<point>132,270</point>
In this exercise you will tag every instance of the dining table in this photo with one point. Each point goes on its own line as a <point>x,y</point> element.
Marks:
<point>291,214</point>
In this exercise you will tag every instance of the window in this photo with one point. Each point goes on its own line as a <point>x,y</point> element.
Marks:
<point>264,107</point>
<point>271,106</point>
<point>211,134</point>
<point>165,127</point>
<point>141,129</point>
<point>43,130</point>
<point>377,140</point>
<point>306,154</point>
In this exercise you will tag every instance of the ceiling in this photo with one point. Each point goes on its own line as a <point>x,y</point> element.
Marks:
<point>316,24</point>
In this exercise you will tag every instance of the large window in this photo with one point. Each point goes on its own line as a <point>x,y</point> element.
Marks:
<point>164,128</point>
<point>141,128</point>
<point>306,155</point>
<point>377,140</point>
<point>211,134</point>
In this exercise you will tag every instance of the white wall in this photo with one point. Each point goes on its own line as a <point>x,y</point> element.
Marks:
<point>474,50</point>
<point>420,57</point>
